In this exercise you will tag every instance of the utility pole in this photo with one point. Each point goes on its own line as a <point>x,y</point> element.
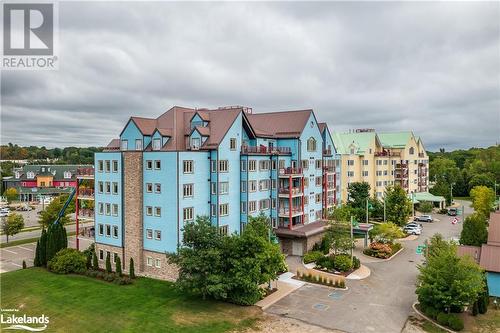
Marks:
<point>366,210</point>
<point>451,193</point>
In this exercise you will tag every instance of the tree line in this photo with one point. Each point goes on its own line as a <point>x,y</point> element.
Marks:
<point>458,172</point>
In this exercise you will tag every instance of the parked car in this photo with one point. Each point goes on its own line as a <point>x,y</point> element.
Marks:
<point>423,218</point>
<point>4,214</point>
<point>414,225</point>
<point>412,230</point>
<point>452,212</point>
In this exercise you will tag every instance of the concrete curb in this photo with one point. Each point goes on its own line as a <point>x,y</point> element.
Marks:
<point>360,278</point>
<point>429,319</point>
<point>266,303</point>
<point>382,260</point>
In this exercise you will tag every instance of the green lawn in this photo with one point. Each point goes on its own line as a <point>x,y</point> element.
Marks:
<point>80,304</point>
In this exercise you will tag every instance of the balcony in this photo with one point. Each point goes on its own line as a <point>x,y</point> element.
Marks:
<point>401,166</point>
<point>327,152</point>
<point>421,155</point>
<point>285,212</point>
<point>86,194</point>
<point>328,169</point>
<point>263,150</point>
<point>285,192</point>
<point>85,173</point>
<point>87,233</point>
<point>287,172</point>
<point>387,153</point>
<point>401,175</point>
<point>86,214</point>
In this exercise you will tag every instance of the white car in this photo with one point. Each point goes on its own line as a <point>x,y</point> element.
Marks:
<point>4,214</point>
<point>412,230</point>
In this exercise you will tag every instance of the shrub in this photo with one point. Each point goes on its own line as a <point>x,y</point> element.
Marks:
<point>108,263</point>
<point>475,308</point>
<point>396,247</point>
<point>67,261</point>
<point>341,284</point>
<point>343,263</point>
<point>355,262</point>
<point>312,256</point>
<point>122,280</point>
<point>442,318</point>
<point>455,322</point>
<point>430,311</point>
<point>24,264</point>
<point>88,263</point>
<point>443,211</point>
<point>379,250</point>
<point>118,267</point>
<point>95,263</point>
<point>109,277</point>
<point>323,246</point>
<point>325,263</point>
<point>131,269</point>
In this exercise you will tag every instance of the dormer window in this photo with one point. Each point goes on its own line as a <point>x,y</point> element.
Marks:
<point>412,151</point>
<point>195,143</point>
<point>156,144</point>
<point>138,144</point>
<point>67,174</point>
<point>31,174</point>
<point>124,144</point>
<point>311,144</point>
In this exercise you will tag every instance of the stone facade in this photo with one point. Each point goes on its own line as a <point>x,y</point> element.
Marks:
<point>132,201</point>
<point>166,271</point>
<point>112,250</point>
<point>306,242</point>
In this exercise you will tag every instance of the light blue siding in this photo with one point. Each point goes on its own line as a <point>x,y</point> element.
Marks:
<point>110,198</point>
<point>493,283</point>
<point>131,133</point>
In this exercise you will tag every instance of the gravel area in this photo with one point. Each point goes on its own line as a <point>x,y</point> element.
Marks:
<point>277,324</point>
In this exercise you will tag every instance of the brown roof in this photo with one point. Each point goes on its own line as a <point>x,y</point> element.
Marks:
<point>204,131</point>
<point>145,125</point>
<point>285,124</point>
<point>115,143</point>
<point>490,258</point>
<point>165,131</point>
<point>494,229</point>
<point>304,231</point>
<point>473,251</point>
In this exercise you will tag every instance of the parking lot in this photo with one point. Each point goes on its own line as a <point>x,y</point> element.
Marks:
<point>380,303</point>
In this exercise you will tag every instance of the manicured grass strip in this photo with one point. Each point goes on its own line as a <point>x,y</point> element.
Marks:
<point>77,303</point>
<point>27,241</point>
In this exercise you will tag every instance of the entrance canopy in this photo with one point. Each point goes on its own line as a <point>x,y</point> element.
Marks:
<point>426,196</point>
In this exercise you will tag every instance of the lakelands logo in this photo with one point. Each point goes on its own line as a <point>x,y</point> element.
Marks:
<point>13,321</point>
<point>29,36</point>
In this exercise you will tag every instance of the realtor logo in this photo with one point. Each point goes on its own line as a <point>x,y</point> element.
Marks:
<point>28,35</point>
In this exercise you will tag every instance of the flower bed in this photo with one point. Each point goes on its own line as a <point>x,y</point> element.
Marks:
<point>318,277</point>
<point>382,250</point>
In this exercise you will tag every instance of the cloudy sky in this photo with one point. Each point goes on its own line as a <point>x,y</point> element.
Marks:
<point>433,68</point>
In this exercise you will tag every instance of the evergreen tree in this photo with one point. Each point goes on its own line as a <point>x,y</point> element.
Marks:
<point>50,247</point>
<point>43,248</point>
<point>89,260</point>
<point>24,264</point>
<point>131,269</point>
<point>118,266</point>
<point>95,263</point>
<point>108,263</point>
<point>475,308</point>
<point>36,261</point>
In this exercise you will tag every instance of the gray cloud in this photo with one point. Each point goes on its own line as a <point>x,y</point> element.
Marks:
<point>429,67</point>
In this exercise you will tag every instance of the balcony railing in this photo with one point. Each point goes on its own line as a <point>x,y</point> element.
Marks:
<point>295,191</point>
<point>290,171</point>
<point>387,153</point>
<point>401,166</point>
<point>329,169</point>
<point>421,155</point>
<point>86,213</point>
<point>86,192</point>
<point>327,152</point>
<point>286,211</point>
<point>85,172</point>
<point>403,175</point>
<point>265,150</point>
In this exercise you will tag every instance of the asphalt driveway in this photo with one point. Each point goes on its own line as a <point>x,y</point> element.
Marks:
<point>380,303</point>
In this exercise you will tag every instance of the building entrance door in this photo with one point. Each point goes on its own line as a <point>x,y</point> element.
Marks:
<point>297,248</point>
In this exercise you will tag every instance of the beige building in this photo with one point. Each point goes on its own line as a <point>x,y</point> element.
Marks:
<point>382,159</point>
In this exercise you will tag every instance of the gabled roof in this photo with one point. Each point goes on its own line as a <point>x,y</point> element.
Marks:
<point>55,170</point>
<point>490,258</point>
<point>285,124</point>
<point>361,141</point>
<point>114,143</point>
<point>322,127</point>
<point>164,131</point>
<point>395,139</point>
<point>145,125</point>
<point>204,131</point>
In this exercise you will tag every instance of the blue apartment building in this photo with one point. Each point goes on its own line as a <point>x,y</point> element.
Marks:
<point>228,164</point>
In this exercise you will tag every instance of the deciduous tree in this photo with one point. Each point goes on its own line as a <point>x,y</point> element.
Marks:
<point>483,199</point>
<point>11,194</point>
<point>398,206</point>
<point>474,231</point>
<point>12,225</point>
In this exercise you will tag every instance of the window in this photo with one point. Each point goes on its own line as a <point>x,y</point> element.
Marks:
<point>157,263</point>
<point>124,144</point>
<point>243,207</point>
<point>158,211</point>
<point>115,188</point>
<point>252,206</point>
<point>274,223</point>
<point>385,172</point>
<point>156,144</point>
<point>100,187</point>
<point>158,234</point>
<point>243,186</point>
<point>264,204</point>
<point>107,166</point>
<point>99,166</point>
<point>318,198</point>
<point>157,188</point>
<point>187,190</point>
<point>101,229</point>
<point>149,261</point>
<point>252,165</point>
<point>213,187</point>
<point>138,144</point>
<point>311,144</point>
<point>385,162</point>
<point>115,210</point>
<point>223,166</point>
<point>264,185</point>
<point>188,166</point>
<point>224,230</point>
<point>365,173</point>
<point>224,209</point>
<point>108,230</point>
<point>223,187</point>
<point>252,185</point>
<point>101,255</point>
<point>157,164</point>
<point>350,173</point>
<point>412,150</point>
<point>273,203</point>
<point>318,181</point>
<point>305,164</point>
<point>115,166</point>
<point>149,165</point>
<point>379,172</point>
<point>213,209</point>
<point>149,233</point>
<point>232,143</point>
<point>149,187</point>
<point>108,187</point>
<point>306,182</point>
<point>115,231</point>
<point>281,164</point>
<point>149,210</point>
<point>273,184</point>
<point>214,166</point>
<point>108,209</point>
<point>264,165</point>
<point>379,162</point>
<point>187,214</point>
<point>318,164</point>
<point>100,208</point>
<point>195,143</point>
<point>243,165</point>
<point>273,164</point>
